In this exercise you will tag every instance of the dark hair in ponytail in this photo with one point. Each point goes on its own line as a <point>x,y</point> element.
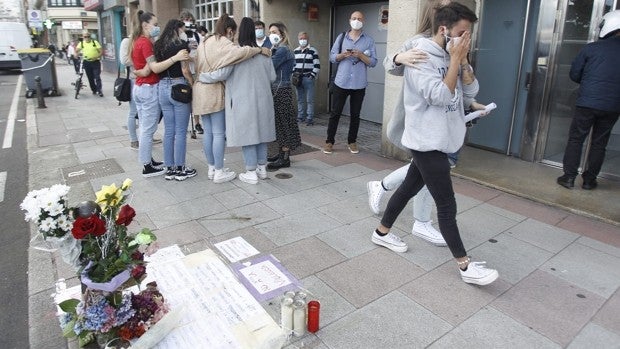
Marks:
<point>141,17</point>
<point>247,35</point>
<point>223,23</point>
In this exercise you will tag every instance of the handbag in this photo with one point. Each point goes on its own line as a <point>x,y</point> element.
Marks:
<point>181,93</point>
<point>297,76</point>
<point>122,87</point>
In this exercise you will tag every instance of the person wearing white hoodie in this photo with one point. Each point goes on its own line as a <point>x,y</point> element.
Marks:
<point>435,127</point>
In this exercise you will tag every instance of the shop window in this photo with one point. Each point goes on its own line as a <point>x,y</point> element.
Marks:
<point>65,3</point>
<point>208,11</point>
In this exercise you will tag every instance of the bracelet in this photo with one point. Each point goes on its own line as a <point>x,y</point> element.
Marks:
<point>464,262</point>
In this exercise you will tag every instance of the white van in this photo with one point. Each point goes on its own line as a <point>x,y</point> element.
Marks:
<point>13,36</point>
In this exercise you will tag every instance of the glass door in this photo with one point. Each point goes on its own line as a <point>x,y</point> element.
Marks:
<point>579,26</point>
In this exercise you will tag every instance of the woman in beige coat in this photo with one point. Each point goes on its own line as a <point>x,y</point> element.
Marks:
<point>215,52</point>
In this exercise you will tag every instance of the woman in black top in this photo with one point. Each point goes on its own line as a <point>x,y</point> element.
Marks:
<point>176,114</point>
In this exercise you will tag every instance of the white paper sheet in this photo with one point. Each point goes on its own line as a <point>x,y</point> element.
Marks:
<point>478,113</point>
<point>236,249</point>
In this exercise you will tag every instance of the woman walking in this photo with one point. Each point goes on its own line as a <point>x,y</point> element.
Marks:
<point>215,52</point>
<point>287,130</point>
<point>145,90</point>
<point>176,113</point>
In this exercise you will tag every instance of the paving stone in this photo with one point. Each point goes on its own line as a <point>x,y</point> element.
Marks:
<point>302,201</point>
<point>181,234</point>
<point>333,306</point>
<point>201,207</point>
<point>490,328</point>
<point>285,230</point>
<point>362,279</point>
<point>608,316</point>
<point>529,208</point>
<point>348,210</point>
<point>503,212</point>
<point>600,246</point>
<point>352,239</point>
<point>339,173</point>
<point>514,259</point>
<point>550,306</point>
<point>46,331</point>
<point>587,268</point>
<point>41,271</point>
<point>443,292</point>
<point>477,225</point>
<point>302,179</point>
<point>168,216</point>
<point>424,254</point>
<point>238,218</point>
<point>543,235</point>
<point>266,189</point>
<point>234,198</point>
<point>307,257</point>
<point>595,336</point>
<point>392,321</point>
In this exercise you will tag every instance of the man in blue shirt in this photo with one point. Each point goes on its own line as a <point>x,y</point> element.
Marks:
<point>354,52</point>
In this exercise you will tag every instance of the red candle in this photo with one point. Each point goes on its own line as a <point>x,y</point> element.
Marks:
<point>314,308</point>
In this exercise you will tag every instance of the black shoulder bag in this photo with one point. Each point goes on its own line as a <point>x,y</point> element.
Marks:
<point>297,76</point>
<point>122,87</point>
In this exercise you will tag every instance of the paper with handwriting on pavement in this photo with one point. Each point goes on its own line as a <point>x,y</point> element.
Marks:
<point>265,277</point>
<point>236,249</point>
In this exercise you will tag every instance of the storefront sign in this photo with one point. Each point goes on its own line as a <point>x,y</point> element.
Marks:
<point>71,24</point>
<point>91,5</point>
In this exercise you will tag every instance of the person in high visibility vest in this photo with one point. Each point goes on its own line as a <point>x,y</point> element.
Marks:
<point>91,51</point>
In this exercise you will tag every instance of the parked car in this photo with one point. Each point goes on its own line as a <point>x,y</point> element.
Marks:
<point>14,37</point>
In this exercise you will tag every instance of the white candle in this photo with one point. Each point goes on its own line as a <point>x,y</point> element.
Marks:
<point>299,318</point>
<point>286,315</point>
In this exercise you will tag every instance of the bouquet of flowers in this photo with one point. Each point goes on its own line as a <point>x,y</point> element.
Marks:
<point>105,317</point>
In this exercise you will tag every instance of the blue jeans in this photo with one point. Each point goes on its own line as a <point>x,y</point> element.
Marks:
<point>253,155</point>
<point>305,99</point>
<point>176,119</point>
<point>147,104</point>
<point>131,118</point>
<point>214,140</point>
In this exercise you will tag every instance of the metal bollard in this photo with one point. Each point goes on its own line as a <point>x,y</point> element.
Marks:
<point>40,100</point>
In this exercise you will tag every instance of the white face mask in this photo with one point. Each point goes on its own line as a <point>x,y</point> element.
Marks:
<point>183,36</point>
<point>260,33</point>
<point>274,38</point>
<point>356,24</point>
<point>303,42</point>
<point>452,41</point>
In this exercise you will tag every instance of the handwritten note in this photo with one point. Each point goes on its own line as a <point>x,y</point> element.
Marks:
<point>236,249</point>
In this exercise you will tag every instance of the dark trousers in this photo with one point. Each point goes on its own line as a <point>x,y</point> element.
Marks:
<point>93,72</point>
<point>76,64</point>
<point>339,97</point>
<point>433,169</point>
<point>601,123</point>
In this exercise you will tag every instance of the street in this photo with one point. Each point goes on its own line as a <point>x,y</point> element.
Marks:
<point>14,230</point>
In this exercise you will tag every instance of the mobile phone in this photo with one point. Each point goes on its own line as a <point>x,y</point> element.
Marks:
<point>350,49</point>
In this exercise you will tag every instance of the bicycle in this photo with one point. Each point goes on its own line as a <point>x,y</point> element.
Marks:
<point>78,82</point>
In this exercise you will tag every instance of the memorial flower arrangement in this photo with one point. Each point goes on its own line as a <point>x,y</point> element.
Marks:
<point>105,316</point>
<point>48,209</point>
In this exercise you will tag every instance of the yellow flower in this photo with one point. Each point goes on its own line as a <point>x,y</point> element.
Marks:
<point>126,184</point>
<point>109,195</point>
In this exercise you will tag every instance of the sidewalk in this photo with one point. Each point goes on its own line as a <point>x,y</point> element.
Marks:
<point>559,274</point>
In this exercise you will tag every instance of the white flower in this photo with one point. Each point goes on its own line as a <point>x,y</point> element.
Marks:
<point>60,190</point>
<point>64,223</point>
<point>55,209</point>
<point>47,224</point>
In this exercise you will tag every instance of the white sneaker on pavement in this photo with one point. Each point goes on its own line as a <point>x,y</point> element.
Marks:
<point>477,273</point>
<point>390,241</point>
<point>211,172</point>
<point>223,175</point>
<point>426,231</point>
<point>375,192</point>
<point>261,171</point>
<point>249,177</point>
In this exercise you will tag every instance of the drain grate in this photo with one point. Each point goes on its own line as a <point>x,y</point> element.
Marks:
<point>90,170</point>
<point>283,175</point>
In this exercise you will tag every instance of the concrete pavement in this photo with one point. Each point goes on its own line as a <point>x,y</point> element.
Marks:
<point>559,271</point>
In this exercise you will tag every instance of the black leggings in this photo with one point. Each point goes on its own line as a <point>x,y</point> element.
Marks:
<point>433,169</point>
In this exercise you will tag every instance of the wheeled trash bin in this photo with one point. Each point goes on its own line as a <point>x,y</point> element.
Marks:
<point>39,62</point>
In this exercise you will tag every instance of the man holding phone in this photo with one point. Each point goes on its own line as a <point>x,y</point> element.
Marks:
<point>357,55</point>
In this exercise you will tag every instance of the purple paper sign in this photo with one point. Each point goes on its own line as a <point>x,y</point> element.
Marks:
<point>265,278</point>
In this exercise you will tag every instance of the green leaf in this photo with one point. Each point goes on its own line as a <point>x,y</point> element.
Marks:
<point>69,305</point>
<point>68,331</point>
<point>85,337</point>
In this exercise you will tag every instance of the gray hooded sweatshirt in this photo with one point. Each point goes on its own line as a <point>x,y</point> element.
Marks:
<point>434,117</point>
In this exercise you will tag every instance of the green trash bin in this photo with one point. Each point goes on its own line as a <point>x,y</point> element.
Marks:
<point>39,62</point>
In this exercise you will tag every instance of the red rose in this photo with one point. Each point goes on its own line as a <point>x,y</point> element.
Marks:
<point>125,216</point>
<point>138,271</point>
<point>137,256</point>
<point>90,225</point>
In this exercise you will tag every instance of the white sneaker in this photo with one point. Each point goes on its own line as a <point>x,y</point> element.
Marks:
<point>375,192</point>
<point>390,241</point>
<point>211,172</point>
<point>261,171</point>
<point>223,175</point>
<point>478,274</point>
<point>426,231</point>
<point>249,177</point>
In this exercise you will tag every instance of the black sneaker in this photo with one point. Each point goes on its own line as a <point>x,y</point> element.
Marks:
<point>150,171</point>
<point>184,172</point>
<point>170,173</point>
<point>100,94</point>
<point>199,129</point>
<point>156,163</point>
